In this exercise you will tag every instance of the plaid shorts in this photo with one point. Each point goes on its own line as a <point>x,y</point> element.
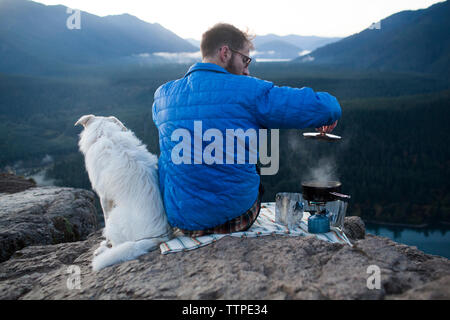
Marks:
<point>241,223</point>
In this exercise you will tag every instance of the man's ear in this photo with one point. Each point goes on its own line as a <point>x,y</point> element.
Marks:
<point>224,54</point>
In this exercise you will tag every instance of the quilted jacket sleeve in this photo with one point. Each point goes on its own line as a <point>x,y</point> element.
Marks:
<point>294,108</point>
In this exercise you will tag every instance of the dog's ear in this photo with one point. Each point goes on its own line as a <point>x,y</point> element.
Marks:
<point>84,120</point>
<point>117,121</point>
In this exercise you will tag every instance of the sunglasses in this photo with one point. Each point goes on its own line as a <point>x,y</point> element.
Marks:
<point>245,59</point>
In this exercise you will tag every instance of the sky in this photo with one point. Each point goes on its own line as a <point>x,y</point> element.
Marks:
<point>190,18</point>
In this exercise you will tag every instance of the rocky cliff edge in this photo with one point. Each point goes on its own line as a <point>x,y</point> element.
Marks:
<point>48,235</point>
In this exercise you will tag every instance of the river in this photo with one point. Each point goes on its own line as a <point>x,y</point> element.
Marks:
<point>432,240</point>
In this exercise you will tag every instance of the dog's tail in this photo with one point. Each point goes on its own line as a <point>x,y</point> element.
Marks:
<point>125,251</point>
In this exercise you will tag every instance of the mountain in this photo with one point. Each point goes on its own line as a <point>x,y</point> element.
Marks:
<point>416,41</point>
<point>276,49</point>
<point>194,42</point>
<point>309,43</point>
<point>34,37</point>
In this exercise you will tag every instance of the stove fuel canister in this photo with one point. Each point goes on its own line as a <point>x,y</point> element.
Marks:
<point>318,223</point>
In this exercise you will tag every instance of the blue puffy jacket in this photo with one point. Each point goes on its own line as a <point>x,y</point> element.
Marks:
<point>201,196</point>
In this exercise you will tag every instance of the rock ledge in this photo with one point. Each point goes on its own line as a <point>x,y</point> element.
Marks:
<point>36,266</point>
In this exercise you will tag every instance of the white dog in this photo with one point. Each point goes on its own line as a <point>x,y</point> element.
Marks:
<point>125,176</point>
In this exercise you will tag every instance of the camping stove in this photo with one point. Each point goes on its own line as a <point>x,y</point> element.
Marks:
<point>319,221</point>
<point>325,215</point>
<point>325,204</point>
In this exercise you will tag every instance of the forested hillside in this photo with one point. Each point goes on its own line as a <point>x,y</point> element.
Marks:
<point>393,158</point>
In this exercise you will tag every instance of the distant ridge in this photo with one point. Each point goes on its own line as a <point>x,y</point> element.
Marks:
<point>34,37</point>
<point>416,41</point>
<point>309,43</point>
<point>277,49</point>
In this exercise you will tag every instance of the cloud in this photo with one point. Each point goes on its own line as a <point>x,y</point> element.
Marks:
<point>143,55</point>
<point>304,52</point>
<point>180,57</point>
<point>308,58</point>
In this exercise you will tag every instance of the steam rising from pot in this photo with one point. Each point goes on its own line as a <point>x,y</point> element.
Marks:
<point>325,170</point>
<point>317,161</point>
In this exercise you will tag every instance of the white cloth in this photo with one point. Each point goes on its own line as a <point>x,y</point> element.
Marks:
<point>264,225</point>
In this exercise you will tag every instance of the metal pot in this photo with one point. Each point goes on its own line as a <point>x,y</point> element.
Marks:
<point>323,191</point>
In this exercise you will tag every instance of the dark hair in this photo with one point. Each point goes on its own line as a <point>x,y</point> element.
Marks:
<point>223,34</point>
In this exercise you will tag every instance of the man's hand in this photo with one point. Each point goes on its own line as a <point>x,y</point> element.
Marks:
<point>327,129</point>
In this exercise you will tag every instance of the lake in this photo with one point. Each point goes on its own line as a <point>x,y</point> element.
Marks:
<point>431,240</point>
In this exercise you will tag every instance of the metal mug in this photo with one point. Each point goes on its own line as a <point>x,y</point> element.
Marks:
<point>288,209</point>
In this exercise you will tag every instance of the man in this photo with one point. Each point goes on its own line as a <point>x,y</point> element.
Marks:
<point>202,198</point>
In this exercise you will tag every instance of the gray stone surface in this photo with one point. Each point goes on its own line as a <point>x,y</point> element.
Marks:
<point>354,228</point>
<point>10,183</point>
<point>271,267</point>
<point>45,215</point>
<point>44,232</point>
